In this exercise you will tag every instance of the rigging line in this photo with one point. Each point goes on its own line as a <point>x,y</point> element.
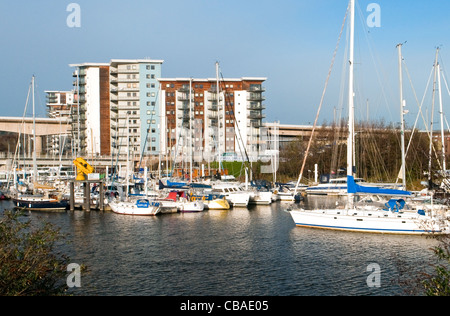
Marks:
<point>373,54</point>
<point>241,143</point>
<point>16,152</point>
<point>419,105</point>
<point>148,129</point>
<point>321,100</point>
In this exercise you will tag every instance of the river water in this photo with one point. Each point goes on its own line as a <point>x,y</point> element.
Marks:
<point>241,252</point>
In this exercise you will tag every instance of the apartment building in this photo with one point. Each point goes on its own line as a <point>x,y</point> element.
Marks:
<point>211,119</point>
<point>115,109</point>
<point>135,117</point>
<point>90,111</point>
<point>59,105</point>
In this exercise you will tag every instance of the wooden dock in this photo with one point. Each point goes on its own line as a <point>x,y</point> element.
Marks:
<point>87,205</point>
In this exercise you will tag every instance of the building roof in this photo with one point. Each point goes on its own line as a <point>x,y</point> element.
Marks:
<point>215,79</point>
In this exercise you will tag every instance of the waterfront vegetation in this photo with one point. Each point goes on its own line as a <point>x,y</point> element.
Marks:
<point>29,262</point>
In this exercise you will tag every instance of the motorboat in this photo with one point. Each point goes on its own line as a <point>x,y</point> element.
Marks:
<point>235,195</point>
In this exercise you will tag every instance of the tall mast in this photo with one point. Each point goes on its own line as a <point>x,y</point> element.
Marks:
<point>190,130</point>
<point>351,108</point>
<point>402,104</point>
<point>441,112</point>
<point>218,115</point>
<point>431,119</point>
<point>34,136</point>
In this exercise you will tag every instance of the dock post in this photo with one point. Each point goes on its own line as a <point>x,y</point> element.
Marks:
<point>72,196</point>
<point>101,197</point>
<point>87,196</point>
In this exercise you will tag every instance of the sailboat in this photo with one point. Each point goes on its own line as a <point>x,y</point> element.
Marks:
<point>39,202</point>
<point>394,218</point>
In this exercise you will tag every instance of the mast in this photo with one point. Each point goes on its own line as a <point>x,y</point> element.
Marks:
<point>441,112</point>
<point>218,115</point>
<point>402,104</point>
<point>431,121</point>
<point>34,136</point>
<point>351,108</point>
<point>190,130</point>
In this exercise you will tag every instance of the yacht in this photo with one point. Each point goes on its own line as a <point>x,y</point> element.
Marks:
<point>234,194</point>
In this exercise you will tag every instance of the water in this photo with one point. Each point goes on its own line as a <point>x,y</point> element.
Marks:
<point>242,252</point>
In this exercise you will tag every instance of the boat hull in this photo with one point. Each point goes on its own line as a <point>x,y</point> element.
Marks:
<point>132,208</point>
<point>368,221</point>
<point>44,205</point>
<point>191,207</point>
<point>261,198</point>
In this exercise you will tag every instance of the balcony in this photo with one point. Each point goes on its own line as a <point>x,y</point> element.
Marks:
<point>213,98</point>
<point>125,80</point>
<point>256,116</point>
<point>184,97</point>
<point>256,107</point>
<point>254,96</point>
<point>124,70</point>
<point>127,98</point>
<point>256,88</point>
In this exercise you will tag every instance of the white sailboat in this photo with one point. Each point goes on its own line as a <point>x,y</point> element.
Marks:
<point>142,207</point>
<point>394,218</point>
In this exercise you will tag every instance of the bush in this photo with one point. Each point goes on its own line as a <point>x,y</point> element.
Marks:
<point>438,283</point>
<point>28,264</point>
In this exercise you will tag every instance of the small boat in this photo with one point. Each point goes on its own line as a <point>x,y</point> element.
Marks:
<point>184,203</point>
<point>260,197</point>
<point>338,186</point>
<point>142,207</point>
<point>235,195</point>
<point>40,203</point>
<point>212,201</point>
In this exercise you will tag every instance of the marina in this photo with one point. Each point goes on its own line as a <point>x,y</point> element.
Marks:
<point>182,186</point>
<point>256,252</point>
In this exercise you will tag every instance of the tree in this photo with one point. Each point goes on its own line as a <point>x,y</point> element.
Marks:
<point>29,265</point>
<point>438,283</point>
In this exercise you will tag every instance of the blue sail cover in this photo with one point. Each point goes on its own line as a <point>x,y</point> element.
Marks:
<point>352,187</point>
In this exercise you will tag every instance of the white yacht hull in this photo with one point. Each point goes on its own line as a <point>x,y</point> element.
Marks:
<point>131,208</point>
<point>188,207</point>
<point>258,197</point>
<point>369,221</point>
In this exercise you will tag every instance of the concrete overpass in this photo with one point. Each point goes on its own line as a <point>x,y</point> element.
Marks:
<point>44,127</point>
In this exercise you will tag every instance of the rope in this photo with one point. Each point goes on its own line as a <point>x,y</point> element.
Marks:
<point>321,103</point>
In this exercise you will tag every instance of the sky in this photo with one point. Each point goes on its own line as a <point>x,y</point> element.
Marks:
<point>291,42</point>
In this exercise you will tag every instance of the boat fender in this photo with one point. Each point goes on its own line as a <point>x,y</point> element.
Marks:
<point>203,198</point>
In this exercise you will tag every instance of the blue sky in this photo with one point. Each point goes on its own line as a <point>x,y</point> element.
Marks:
<point>290,42</point>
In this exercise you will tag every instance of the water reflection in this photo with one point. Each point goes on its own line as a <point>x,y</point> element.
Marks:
<point>255,251</point>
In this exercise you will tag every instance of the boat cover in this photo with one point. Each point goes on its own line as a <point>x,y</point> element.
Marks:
<point>352,187</point>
